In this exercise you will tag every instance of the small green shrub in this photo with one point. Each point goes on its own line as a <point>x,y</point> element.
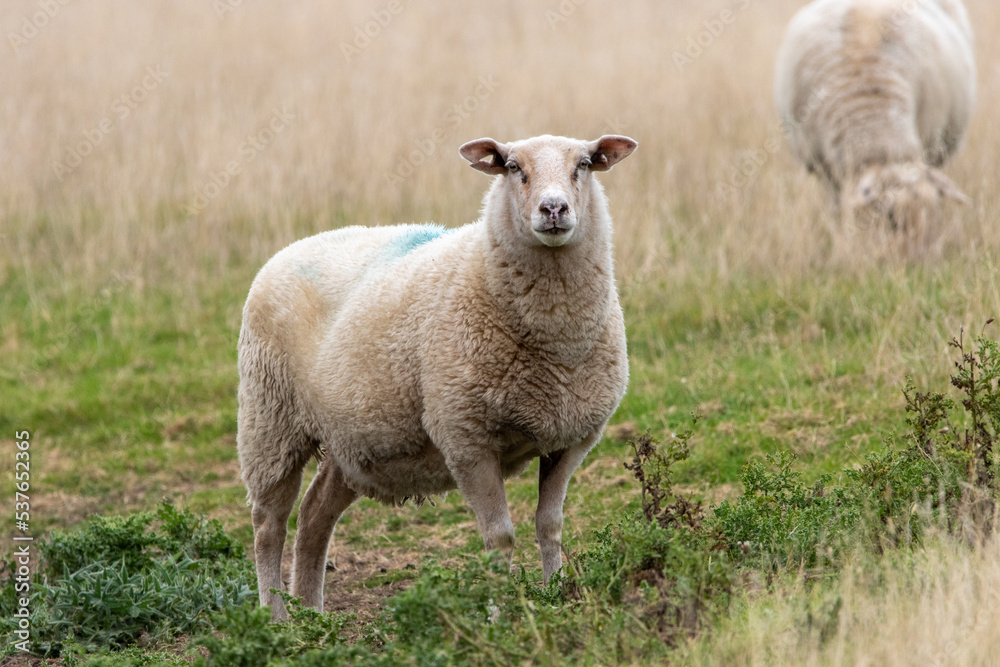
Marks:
<point>132,656</point>
<point>450,616</point>
<point>118,579</point>
<point>933,472</point>
<point>977,376</point>
<point>668,551</point>
<point>250,639</point>
<point>124,539</point>
<point>479,614</point>
<point>779,519</point>
<point>183,531</point>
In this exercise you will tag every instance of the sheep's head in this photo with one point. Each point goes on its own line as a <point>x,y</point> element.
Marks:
<point>547,180</point>
<point>908,194</point>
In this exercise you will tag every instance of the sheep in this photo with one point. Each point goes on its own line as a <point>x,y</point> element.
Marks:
<point>875,96</point>
<point>412,360</point>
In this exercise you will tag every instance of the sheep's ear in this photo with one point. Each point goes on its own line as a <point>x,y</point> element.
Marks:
<point>947,187</point>
<point>476,151</point>
<point>866,192</point>
<point>609,150</point>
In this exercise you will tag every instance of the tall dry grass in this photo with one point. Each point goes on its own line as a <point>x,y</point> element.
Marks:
<point>558,67</point>
<point>935,607</point>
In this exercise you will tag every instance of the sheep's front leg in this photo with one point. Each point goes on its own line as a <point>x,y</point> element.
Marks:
<point>481,483</point>
<point>325,500</point>
<point>554,471</point>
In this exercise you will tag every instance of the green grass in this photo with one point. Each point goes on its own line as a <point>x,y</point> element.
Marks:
<point>131,397</point>
<point>126,394</point>
<point>770,364</point>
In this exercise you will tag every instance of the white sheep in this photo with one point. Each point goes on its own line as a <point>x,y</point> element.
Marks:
<point>413,359</point>
<point>875,95</point>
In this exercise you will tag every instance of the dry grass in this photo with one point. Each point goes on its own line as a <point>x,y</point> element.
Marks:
<point>936,606</point>
<point>133,215</point>
<point>126,209</point>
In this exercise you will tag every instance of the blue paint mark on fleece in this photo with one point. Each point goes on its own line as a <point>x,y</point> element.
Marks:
<point>309,271</point>
<point>414,238</point>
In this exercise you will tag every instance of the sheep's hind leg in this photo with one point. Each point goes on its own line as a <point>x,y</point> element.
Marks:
<point>270,524</point>
<point>325,500</point>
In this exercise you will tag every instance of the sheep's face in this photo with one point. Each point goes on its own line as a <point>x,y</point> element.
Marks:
<point>910,195</point>
<point>547,180</point>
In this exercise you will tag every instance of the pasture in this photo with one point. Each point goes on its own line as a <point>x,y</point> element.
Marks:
<point>156,154</point>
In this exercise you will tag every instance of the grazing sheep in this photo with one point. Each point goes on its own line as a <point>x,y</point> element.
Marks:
<point>413,360</point>
<point>875,95</point>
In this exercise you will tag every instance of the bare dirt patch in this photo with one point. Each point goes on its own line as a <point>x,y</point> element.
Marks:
<point>354,586</point>
<point>360,582</point>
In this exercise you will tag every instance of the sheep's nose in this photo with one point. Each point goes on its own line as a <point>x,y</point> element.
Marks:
<point>556,207</point>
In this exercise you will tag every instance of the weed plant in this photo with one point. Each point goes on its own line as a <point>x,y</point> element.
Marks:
<point>147,577</point>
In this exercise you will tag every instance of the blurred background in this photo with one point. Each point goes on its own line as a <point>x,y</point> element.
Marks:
<point>119,121</point>
<point>154,155</point>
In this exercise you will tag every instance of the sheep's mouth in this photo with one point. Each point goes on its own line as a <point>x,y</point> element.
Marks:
<point>553,233</point>
<point>553,228</point>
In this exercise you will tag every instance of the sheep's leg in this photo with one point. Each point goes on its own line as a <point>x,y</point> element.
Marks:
<point>270,523</point>
<point>554,472</point>
<point>325,500</point>
<point>481,483</point>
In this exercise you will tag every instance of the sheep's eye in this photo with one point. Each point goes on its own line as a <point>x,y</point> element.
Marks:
<point>584,163</point>
<point>513,167</point>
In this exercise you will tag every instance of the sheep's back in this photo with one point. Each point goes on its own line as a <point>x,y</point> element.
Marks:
<point>302,289</point>
<point>837,52</point>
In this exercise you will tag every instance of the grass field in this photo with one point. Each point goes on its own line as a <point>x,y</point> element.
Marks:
<point>158,153</point>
